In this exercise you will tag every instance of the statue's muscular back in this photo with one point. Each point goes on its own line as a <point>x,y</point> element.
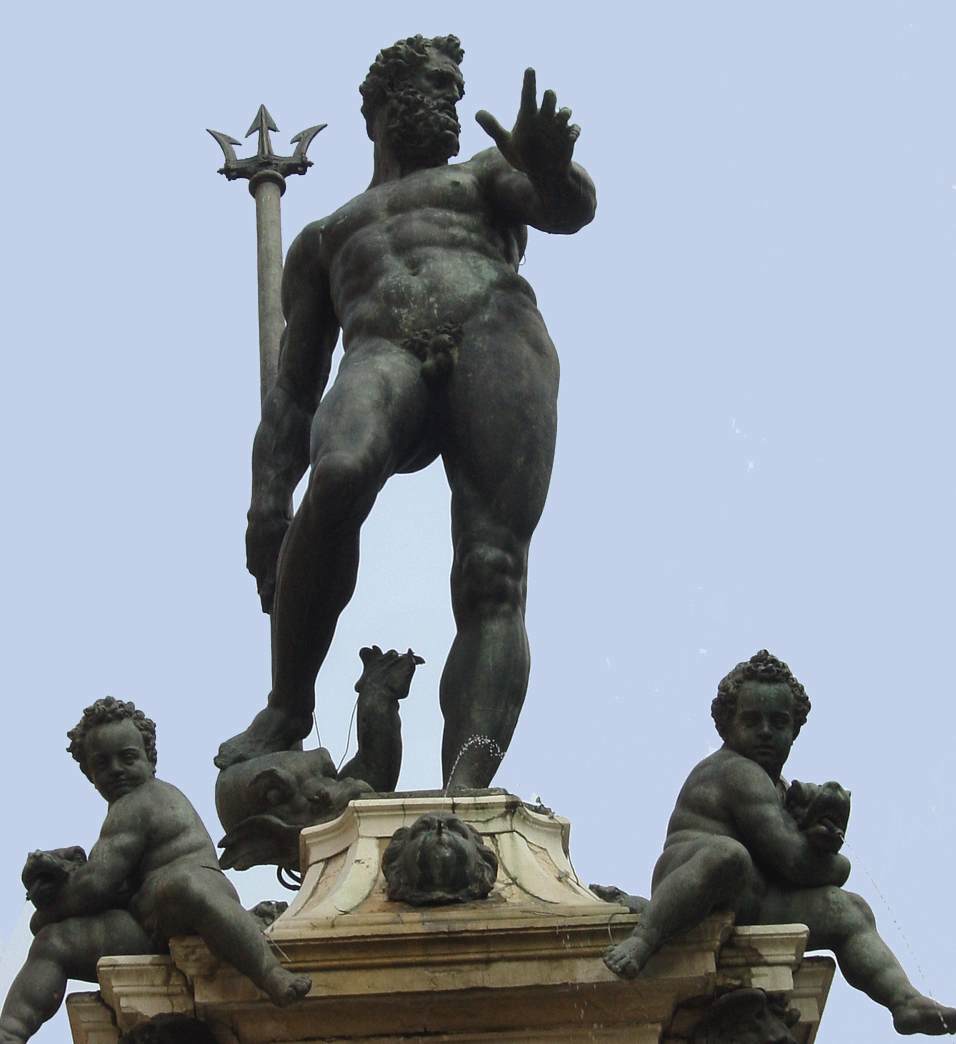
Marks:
<point>427,249</point>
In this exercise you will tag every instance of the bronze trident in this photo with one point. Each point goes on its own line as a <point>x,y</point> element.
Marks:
<point>266,173</point>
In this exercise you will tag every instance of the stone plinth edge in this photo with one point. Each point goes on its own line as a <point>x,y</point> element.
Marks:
<point>522,965</point>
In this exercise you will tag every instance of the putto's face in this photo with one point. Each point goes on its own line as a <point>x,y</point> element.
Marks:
<point>421,119</point>
<point>115,759</point>
<point>762,726</point>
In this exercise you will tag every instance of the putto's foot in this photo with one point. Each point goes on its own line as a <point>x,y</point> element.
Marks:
<point>271,730</point>
<point>924,1015</point>
<point>626,959</point>
<point>284,988</point>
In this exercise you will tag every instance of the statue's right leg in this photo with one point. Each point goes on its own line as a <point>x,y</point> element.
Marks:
<point>843,922</point>
<point>691,880</point>
<point>365,429</point>
<point>202,901</point>
<point>65,950</point>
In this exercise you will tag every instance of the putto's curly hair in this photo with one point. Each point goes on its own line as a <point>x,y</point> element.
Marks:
<point>104,712</point>
<point>393,64</point>
<point>762,667</point>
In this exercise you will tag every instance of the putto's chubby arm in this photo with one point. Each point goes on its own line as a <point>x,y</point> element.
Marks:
<point>280,452</point>
<point>102,882</point>
<point>770,834</point>
<point>530,177</point>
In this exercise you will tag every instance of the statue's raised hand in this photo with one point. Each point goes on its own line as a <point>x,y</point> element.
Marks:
<point>541,142</point>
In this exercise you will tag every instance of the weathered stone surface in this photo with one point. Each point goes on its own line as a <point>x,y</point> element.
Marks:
<point>524,964</point>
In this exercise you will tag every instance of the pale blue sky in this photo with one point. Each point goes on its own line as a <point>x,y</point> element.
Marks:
<point>755,436</point>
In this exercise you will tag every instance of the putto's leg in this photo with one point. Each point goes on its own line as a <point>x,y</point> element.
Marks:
<point>364,430</point>
<point>202,900</point>
<point>65,950</point>
<point>843,922</point>
<point>691,881</point>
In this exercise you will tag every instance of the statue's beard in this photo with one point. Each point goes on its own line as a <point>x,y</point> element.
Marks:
<point>421,128</point>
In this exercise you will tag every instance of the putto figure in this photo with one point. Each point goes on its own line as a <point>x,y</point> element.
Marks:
<point>733,844</point>
<point>446,355</point>
<point>151,875</point>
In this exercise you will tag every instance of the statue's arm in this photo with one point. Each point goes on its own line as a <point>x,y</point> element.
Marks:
<point>770,834</point>
<point>101,883</point>
<point>280,452</point>
<point>531,177</point>
<point>561,202</point>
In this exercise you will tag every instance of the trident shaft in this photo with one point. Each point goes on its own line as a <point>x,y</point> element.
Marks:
<point>266,173</point>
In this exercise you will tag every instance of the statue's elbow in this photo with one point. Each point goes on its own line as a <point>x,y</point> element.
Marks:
<point>582,213</point>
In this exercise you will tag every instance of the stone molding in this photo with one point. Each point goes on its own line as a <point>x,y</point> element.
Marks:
<point>522,965</point>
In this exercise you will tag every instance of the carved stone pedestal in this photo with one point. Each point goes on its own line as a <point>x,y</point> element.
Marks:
<point>522,965</point>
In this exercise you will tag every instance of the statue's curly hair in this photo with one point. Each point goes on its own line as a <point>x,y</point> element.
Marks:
<point>763,667</point>
<point>392,65</point>
<point>103,712</point>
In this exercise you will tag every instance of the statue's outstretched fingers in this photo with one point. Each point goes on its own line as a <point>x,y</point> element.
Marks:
<point>549,102</point>
<point>529,93</point>
<point>492,128</point>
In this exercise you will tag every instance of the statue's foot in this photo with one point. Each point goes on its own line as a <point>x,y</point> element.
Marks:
<point>626,959</point>
<point>271,730</point>
<point>923,1015</point>
<point>284,987</point>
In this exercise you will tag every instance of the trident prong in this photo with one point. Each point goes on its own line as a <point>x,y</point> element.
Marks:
<point>304,140</point>
<point>263,123</point>
<point>265,159</point>
<point>226,143</point>
<point>266,173</point>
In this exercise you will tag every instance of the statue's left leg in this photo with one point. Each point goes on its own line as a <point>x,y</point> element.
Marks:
<point>498,447</point>
<point>843,922</point>
<point>65,950</point>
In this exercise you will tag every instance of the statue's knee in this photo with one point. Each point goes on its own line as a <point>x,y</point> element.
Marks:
<point>490,577</point>
<point>56,942</point>
<point>342,484</point>
<point>180,892</point>
<point>730,861</point>
<point>853,910</point>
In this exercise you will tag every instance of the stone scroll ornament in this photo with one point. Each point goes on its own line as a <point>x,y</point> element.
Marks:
<point>169,1029</point>
<point>265,803</point>
<point>133,892</point>
<point>741,840</point>
<point>747,1016</point>
<point>440,859</point>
